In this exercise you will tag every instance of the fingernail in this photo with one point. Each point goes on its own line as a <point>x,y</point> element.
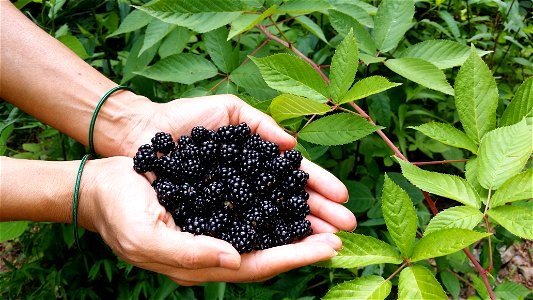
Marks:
<point>334,253</point>
<point>229,261</point>
<point>333,241</point>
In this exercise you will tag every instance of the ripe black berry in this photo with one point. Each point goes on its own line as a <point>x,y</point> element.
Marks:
<point>163,142</point>
<point>144,159</point>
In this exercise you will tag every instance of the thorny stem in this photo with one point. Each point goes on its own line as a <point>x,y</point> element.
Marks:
<point>397,270</point>
<point>398,153</point>
<point>438,162</point>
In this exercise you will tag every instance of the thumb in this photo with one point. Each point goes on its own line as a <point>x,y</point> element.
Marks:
<point>185,250</point>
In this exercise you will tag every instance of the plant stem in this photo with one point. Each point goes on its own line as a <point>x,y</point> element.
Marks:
<point>482,272</point>
<point>485,217</point>
<point>438,162</point>
<point>279,29</point>
<point>255,51</point>
<point>397,270</point>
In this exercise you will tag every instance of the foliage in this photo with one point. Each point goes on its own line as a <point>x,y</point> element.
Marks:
<point>357,82</point>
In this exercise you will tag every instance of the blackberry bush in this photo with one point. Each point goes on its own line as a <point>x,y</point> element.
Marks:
<point>230,184</point>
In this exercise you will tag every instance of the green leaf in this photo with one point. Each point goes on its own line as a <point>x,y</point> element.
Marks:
<point>155,32</point>
<point>400,216</point>
<point>464,217</point>
<point>312,27</point>
<point>137,19</point>
<point>361,250</point>
<point>287,106</point>
<point>201,16</point>
<point>421,72</point>
<point>303,7</point>
<point>445,241</point>
<point>511,290</point>
<point>343,67</point>
<point>137,62</point>
<point>471,171</point>
<point>220,50</point>
<point>357,10</point>
<point>370,287</point>
<point>368,86</point>
<point>75,45</point>
<point>444,54</point>
<point>184,68</point>
<point>516,188</point>
<point>174,42</point>
<point>361,198</point>
<point>393,19</point>
<point>417,282</point>
<point>290,74</point>
<point>247,21</point>
<point>447,134</point>
<point>337,129</point>
<point>521,106</point>
<point>444,185</point>
<point>518,220</point>
<point>476,97</point>
<point>343,23</point>
<point>12,230</point>
<point>503,153</point>
<point>249,77</point>
<point>451,283</point>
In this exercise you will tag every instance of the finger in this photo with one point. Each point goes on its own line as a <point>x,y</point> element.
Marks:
<point>320,226</point>
<point>184,282</point>
<point>331,212</point>
<point>184,250</point>
<point>324,183</point>
<point>262,124</point>
<point>330,239</point>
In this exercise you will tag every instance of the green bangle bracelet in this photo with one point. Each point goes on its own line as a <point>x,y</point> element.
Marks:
<point>95,114</point>
<point>75,199</point>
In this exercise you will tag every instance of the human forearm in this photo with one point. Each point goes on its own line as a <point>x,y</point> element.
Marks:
<point>47,80</point>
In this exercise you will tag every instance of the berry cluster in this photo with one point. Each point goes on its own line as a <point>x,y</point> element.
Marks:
<point>229,184</point>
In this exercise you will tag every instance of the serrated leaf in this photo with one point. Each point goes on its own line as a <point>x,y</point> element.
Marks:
<point>289,74</point>
<point>337,129</point>
<point>511,290</point>
<point>476,97</point>
<point>184,68</point>
<point>343,67</point>
<point>303,7</point>
<point>200,15</point>
<point>518,220</point>
<point>400,216</point>
<point>516,188</point>
<point>174,42</point>
<point>445,241</point>
<point>443,54</point>
<point>287,106</point>
<point>357,10</point>
<point>247,21</point>
<point>368,86</point>
<point>12,230</point>
<point>155,32</point>
<point>370,287</point>
<point>137,19</point>
<point>521,106</point>
<point>220,49</point>
<point>343,23</point>
<point>503,153</point>
<point>444,185</point>
<point>360,250</point>
<point>417,282</point>
<point>312,27</point>
<point>249,77</point>
<point>421,72</point>
<point>137,62</point>
<point>451,283</point>
<point>471,170</point>
<point>464,217</point>
<point>447,134</point>
<point>392,20</point>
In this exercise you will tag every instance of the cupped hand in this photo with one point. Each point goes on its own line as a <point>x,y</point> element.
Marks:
<point>122,206</point>
<point>178,117</point>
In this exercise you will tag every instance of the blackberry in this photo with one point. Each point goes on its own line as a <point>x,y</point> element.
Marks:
<point>229,153</point>
<point>295,157</point>
<point>167,167</point>
<point>297,206</point>
<point>217,223</point>
<point>163,142</point>
<point>243,131</point>
<point>282,233</point>
<point>191,168</point>
<point>227,134</point>
<point>216,191</point>
<point>185,140</point>
<point>279,166</point>
<point>253,142</point>
<point>144,159</point>
<point>301,229</point>
<point>264,240</point>
<point>208,151</point>
<point>268,149</point>
<point>241,235</point>
<point>186,191</point>
<point>166,191</point>
<point>265,181</point>
<point>195,225</point>
<point>200,134</point>
<point>296,180</point>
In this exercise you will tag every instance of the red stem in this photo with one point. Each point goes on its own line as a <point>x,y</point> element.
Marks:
<point>481,271</point>
<point>438,162</point>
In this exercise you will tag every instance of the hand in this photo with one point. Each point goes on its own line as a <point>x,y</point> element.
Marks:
<point>122,206</point>
<point>178,117</point>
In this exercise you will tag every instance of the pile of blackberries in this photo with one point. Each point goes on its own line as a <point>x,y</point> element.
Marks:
<point>229,184</point>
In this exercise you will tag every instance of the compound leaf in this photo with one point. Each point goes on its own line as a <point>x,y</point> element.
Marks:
<point>368,86</point>
<point>361,250</point>
<point>155,32</point>
<point>464,217</point>
<point>220,49</point>
<point>184,68</point>
<point>343,67</point>
<point>289,74</point>
<point>302,7</point>
<point>516,188</point>
<point>287,106</point>
<point>421,72</point>
<point>247,21</point>
<point>447,134</point>
<point>476,97</point>
<point>337,129</point>
<point>521,106</point>
<point>417,282</point>
<point>445,241</point>
<point>518,220</point>
<point>369,287</point>
<point>392,21</point>
<point>312,27</point>
<point>503,153</point>
<point>400,216</point>
<point>445,185</point>
<point>137,19</point>
<point>343,23</point>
